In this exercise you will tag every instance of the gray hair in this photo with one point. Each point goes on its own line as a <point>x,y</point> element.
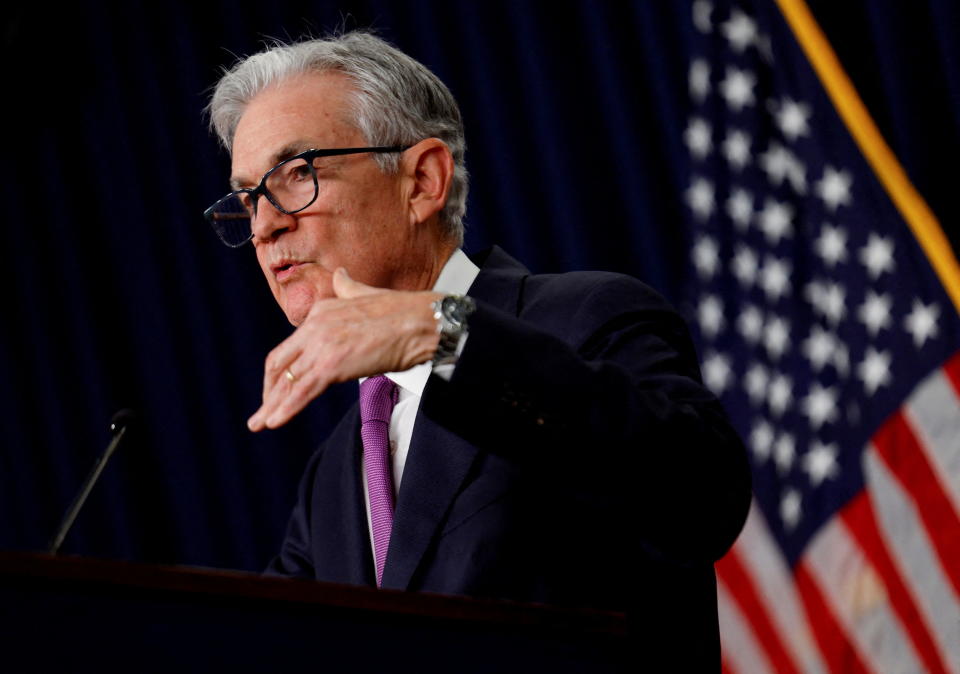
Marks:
<point>396,101</point>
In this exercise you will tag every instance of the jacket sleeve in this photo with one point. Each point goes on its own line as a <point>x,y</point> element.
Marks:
<point>601,376</point>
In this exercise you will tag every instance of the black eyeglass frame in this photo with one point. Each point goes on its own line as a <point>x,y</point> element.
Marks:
<point>261,188</point>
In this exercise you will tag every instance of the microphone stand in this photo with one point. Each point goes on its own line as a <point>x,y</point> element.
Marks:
<point>118,426</point>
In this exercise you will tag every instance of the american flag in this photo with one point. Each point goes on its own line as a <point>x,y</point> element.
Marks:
<point>833,344</point>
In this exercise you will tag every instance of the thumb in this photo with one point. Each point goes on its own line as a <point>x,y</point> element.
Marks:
<point>346,288</point>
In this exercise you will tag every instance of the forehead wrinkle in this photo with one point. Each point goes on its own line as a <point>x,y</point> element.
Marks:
<point>337,108</point>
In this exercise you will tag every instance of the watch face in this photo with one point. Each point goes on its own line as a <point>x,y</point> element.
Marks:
<point>452,310</point>
<point>456,308</point>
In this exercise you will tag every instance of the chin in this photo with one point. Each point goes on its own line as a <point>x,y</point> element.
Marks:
<point>297,304</point>
<point>296,313</point>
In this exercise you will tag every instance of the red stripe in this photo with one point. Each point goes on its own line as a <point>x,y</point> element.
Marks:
<point>743,591</point>
<point>838,651</point>
<point>952,370</point>
<point>861,523</point>
<point>725,667</point>
<point>897,445</point>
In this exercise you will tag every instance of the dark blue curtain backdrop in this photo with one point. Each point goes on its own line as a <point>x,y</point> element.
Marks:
<point>117,294</point>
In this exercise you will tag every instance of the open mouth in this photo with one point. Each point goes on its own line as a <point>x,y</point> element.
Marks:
<point>285,268</point>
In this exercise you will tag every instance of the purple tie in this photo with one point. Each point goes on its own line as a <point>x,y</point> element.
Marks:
<point>378,395</point>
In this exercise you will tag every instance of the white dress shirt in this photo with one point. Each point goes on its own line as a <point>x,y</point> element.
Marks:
<point>455,278</point>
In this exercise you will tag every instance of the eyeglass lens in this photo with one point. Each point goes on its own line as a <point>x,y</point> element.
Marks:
<point>292,186</point>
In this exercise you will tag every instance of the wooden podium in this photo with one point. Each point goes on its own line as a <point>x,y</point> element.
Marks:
<point>82,615</point>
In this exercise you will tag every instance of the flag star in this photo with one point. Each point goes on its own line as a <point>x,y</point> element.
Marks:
<point>813,292</point>
<point>828,299</point>
<point>750,324</point>
<point>736,148</point>
<point>833,302</point>
<point>745,266</point>
<point>834,187</point>
<point>701,15</point>
<point>831,245</point>
<point>775,278</point>
<point>776,337</point>
<point>819,347</point>
<point>792,118</point>
<point>820,462</point>
<point>755,383</point>
<point>780,394</point>
<point>710,316</point>
<point>776,220</point>
<point>820,405</point>
<point>790,508</point>
<point>700,198</point>
<point>697,137</point>
<point>877,255</point>
<point>740,208</point>
<point>761,438</point>
<point>699,80</point>
<point>776,162</point>
<point>784,451</point>
<point>922,322</point>
<point>706,257</point>
<point>875,312</point>
<point>740,31</point>
<point>716,372</point>
<point>797,175</point>
<point>737,88</point>
<point>874,371</point>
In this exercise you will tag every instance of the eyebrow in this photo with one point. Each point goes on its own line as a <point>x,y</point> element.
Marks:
<point>287,151</point>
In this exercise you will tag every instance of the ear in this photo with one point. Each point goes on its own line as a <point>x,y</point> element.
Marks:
<point>429,165</point>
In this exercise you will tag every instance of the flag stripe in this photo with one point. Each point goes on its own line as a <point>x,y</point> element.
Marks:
<point>731,571</point>
<point>856,595</point>
<point>912,551</point>
<point>861,126</point>
<point>861,524</point>
<point>741,652</point>
<point>934,413</point>
<point>765,565</point>
<point>838,651</point>
<point>897,445</point>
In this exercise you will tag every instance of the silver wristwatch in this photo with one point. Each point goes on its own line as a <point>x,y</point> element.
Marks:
<point>451,313</point>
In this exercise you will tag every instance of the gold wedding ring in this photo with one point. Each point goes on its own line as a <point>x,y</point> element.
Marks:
<point>290,375</point>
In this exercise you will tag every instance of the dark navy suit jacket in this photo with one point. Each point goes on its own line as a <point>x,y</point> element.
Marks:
<point>573,458</point>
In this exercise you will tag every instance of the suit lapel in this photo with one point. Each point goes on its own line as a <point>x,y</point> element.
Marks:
<point>340,515</point>
<point>439,461</point>
<point>438,465</point>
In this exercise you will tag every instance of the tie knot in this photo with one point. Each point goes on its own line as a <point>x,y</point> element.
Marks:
<point>377,398</point>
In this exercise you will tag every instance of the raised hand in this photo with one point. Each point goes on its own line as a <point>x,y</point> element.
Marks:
<point>361,332</point>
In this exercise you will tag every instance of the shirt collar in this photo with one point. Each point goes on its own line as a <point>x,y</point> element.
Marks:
<point>456,277</point>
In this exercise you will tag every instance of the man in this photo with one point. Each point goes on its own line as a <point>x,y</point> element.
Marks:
<point>549,438</point>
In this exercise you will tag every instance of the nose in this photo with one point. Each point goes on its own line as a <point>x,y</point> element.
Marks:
<point>269,223</point>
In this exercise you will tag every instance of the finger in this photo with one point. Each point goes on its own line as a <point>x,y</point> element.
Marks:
<point>278,373</point>
<point>273,398</point>
<point>346,288</point>
<point>295,401</point>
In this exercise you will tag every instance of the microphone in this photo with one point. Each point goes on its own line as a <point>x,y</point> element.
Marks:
<point>119,424</point>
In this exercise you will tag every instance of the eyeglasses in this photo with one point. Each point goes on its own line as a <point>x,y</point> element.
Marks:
<point>290,186</point>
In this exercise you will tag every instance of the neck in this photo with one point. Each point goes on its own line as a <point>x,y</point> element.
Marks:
<point>421,267</point>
